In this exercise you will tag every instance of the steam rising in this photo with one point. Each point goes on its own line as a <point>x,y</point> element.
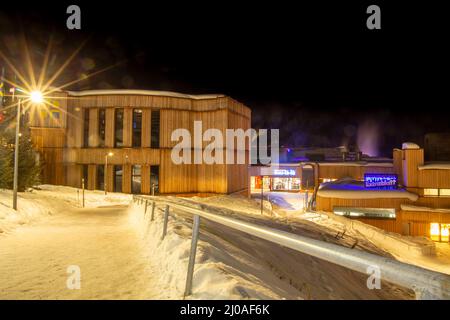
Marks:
<point>367,138</point>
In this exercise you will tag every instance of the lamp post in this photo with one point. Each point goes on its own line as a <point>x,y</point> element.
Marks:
<point>35,97</point>
<point>16,155</point>
<point>109,154</point>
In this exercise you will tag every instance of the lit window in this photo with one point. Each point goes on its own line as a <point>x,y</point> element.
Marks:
<point>434,231</point>
<point>445,230</point>
<point>444,192</point>
<point>431,192</point>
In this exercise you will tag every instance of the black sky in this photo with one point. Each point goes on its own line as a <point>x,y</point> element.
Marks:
<point>314,71</point>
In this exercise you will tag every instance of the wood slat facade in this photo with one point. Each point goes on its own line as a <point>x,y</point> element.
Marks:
<point>68,159</point>
<point>415,223</point>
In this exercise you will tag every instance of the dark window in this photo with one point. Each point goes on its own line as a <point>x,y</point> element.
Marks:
<point>100,177</point>
<point>137,127</point>
<point>118,173</point>
<point>136,179</point>
<point>86,128</point>
<point>118,128</point>
<point>101,126</point>
<point>154,178</point>
<point>85,175</point>
<point>155,129</point>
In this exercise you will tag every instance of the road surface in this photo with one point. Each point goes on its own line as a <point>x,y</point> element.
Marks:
<point>34,260</point>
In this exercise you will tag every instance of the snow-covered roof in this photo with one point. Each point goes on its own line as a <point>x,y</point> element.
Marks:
<point>352,189</point>
<point>143,93</point>
<point>408,207</point>
<point>410,145</point>
<point>435,166</point>
<point>356,164</point>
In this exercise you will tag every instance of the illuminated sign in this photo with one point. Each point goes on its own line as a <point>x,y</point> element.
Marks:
<point>284,172</point>
<point>380,180</point>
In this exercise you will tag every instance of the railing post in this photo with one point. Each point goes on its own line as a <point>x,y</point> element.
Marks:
<point>152,217</point>
<point>82,187</point>
<point>190,273</point>
<point>145,210</point>
<point>166,220</point>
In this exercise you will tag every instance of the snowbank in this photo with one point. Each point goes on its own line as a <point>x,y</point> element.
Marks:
<point>48,200</point>
<point>435,166</point>
<point>396,244</point>
<point>407,207</point>
<point>409,145</point>
<point>218,270</point>
<point>357,164</point>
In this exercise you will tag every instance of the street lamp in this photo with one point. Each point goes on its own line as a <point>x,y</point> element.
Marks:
<point>109,154</point>
<point>35,97</point>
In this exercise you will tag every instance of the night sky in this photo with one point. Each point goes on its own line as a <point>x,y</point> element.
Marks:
<point>315,72</point>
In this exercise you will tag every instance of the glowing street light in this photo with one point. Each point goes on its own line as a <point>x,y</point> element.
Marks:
<point>37,98</point>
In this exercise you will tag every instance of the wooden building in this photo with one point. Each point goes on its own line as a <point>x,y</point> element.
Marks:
<point>425,212</point>
<point>131,130</point>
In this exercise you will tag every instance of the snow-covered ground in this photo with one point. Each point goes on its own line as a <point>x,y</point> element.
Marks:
<point>122,256</point>
<point>284,209</point>
<point>236,252</point>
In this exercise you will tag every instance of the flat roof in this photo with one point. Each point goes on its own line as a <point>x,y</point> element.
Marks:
<point>84,93</point>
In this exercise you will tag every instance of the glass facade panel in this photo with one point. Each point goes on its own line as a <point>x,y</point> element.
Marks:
<point>154,178</point>
<point>118,128</point>
<point>136,179</point>
<point>101,126</point>
<point>155,129</point>
<point>100,177</point>
<point>86,128</point>
<point>118,174</point>
<point>137,127</point>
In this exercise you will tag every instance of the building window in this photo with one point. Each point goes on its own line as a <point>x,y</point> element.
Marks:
<point>101,126</point>
<point>100,177</point>
<point>118,173</point>
<point>373,213</point>
<point>118,128</point>
<point>440,232</point>
<point>86,129</point>
<point>436,192</point>
<point>431,192</point>
<point>137,127</point>
<point>285,184</point>
<point>85,175</point>
<point>154,178</point>
<point>155,129</point>
<point>136,179</point>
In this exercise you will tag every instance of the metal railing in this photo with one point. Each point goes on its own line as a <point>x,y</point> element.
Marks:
<point>425,283</point>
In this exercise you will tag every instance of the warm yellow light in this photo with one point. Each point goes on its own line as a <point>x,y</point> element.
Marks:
<point>36,97</point>
<point>434,231</point>
<point>110,154</point>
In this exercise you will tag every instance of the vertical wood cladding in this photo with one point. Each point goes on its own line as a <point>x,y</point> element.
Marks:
<point>175,112</point>
<point>127,127</point>
<point>412,159</point>
<point>146,128</point>
<point>109,129</point>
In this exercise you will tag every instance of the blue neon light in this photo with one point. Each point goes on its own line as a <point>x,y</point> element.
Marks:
<point>380,180</point>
